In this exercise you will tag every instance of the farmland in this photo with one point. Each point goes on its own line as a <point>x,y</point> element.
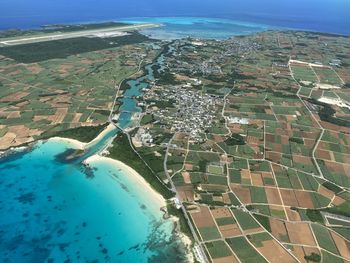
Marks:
<point>63,85</point>
<point>274,159</point>
<point>251,134</point>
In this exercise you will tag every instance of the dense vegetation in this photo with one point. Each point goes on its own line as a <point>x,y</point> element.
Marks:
<point>235,139</point>
<point>83,134</point>
<point>296,140</point>
<point>147,118</point>
<point>167,78</point>
<point>182,220</point>
<point>58,28</point>
<point>36,52</point>
<point>122,151</point>
<point>314,215</point>
<point>313,257</point>
<point>326,113</point>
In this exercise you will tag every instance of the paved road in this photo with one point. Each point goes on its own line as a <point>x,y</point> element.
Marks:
<point>82,33</point>
<point>173,188</point>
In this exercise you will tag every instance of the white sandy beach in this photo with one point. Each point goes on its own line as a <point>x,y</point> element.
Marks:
<point>75,143</point>
<point>140,183</point>
<point>109,128</point>
<point>137,178</point>
<point>82,145</point>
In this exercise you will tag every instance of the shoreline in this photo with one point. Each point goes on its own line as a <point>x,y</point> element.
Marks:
<point>157,199</point>
<point>160,200</point>
<point>78,144</point>
<point>135,176</point>
<point>125,20</point>
<point>106,130</point>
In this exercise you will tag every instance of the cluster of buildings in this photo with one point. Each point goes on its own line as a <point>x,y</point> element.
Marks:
<point>192,112</point>
<point>143,138</point>
<point>210,66</point>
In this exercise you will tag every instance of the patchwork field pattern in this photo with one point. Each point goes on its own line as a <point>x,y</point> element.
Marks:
<point>38,99</point>
<point>268,181</point>
<point>252,133</point>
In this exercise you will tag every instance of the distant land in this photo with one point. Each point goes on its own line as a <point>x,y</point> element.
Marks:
<point>331,16</point>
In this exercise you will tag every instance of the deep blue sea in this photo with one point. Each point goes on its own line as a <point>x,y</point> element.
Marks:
<point>332,16</point>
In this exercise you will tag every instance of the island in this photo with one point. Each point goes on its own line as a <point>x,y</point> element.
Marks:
<point>247,139</point>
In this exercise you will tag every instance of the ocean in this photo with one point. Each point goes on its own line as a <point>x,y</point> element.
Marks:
<point>331,16</point>
<point>54,211</point>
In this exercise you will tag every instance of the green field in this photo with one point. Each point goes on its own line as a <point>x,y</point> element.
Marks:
<point>327,257</point>
<point>327,76</point>
<point>334,221</point>
<point>257,239</point>
<point>214,169</point>
<point>304,73</point>
<point>225,221</point>
<point>218,249</point>
<point>245,252</point>
<point>245,220</point>
<point>258,194</point>
<point>324,239</point>
<point>209,233</point>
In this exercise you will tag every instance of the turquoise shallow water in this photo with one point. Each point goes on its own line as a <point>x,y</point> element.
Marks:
<point>315,15</point>
<point>52,211</point>
<point>209,28</point>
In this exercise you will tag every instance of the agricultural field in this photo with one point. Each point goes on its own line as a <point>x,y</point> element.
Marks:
<point>260,180</point>
<point>250,133</point>
<point>47,89</point>
<point>303,72</point>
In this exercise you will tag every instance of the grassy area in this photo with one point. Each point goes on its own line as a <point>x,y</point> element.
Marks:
<point>209,233</point>
<point>218,249</point>
<point>147,119</point>
<point>343,209</point>
<point>225,221</point>
<point>324,239</point>
<point>257,239</point>
<point>314,215</point>
<point>245,252</point>
<point>303,73</point>
<point>83,134</point>
<point>258,194</point>
<point>264,221</point>
<point>327,257</point>
<point>122,151</point>
<point>245,220</point>
<point>185,229</point>
<point>214,169</point>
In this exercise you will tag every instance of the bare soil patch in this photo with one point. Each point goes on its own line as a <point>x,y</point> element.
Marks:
<point>300,233</point>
